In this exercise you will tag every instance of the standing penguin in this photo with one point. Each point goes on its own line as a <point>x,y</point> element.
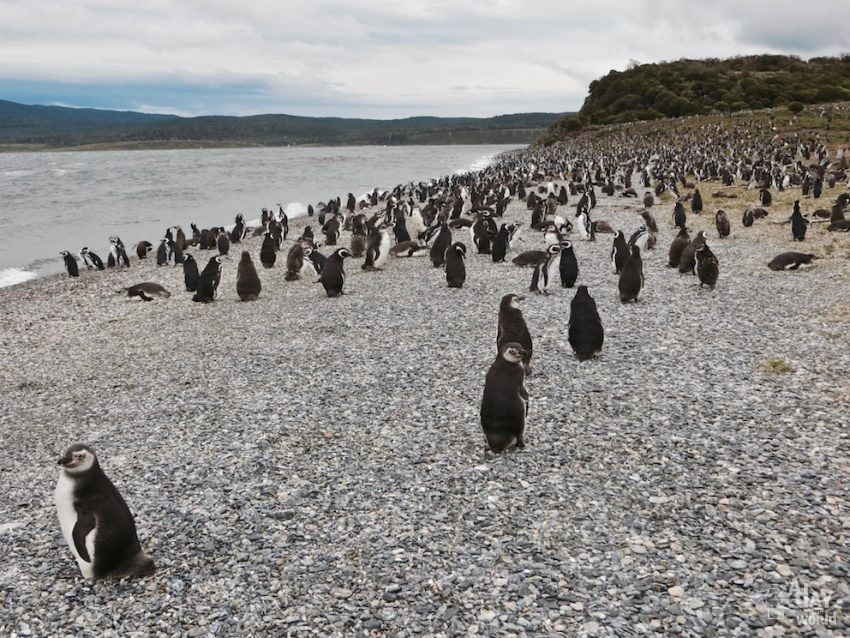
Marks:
<point>585,330</point>
<point>70,264</point>
<point>117,253</point>
<point>798,223</point>
<point>222,242</point>
<point>696,202</point>
<point>91,260</point>
<point>512,327</point>
<point>248,285</point>
<point>333,274</point>
<point>268,251</point>
<point>378,248</point>
<point>679,217</point>
<point>504,405</point>
<point>441,245</point>
<point>631,279</point>
<point>190,273</point>
<point>96,522</point>
<point>455,266</point>
<point>688,260</point>
<point>208,281</point>
<point>677,247</point>
<point>749,218</point>
<point>619,252</point>
<point>238,231</point>
<point>283,219</point>
<point>545,270</point>
<point>721,221</point>
<point>162,253</point>
<point>708,268</point>
<point>568,265</point>
<point>177,253</point>
<point>481,236</point>
<point>294,261</point>
<point>499,250</point>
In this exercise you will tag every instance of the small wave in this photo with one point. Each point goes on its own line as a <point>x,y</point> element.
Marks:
<point>295,209</point>
<point>478,165</point>
<point>12,276</point>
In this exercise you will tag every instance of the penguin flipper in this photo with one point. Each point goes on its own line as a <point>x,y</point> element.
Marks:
<point>86,522</point>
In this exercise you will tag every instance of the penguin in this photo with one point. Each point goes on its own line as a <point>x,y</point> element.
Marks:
<point>117,253</point>
<point>95,520</point>
<point>333,274</point>
<point>528,258</point>
<point>70,264</point>
<point>708,268</point>
<point>545,270</point>
<point>222,242</point>
<point>677,247</point>
<point>237,233</point>
<point>765,198</point>
<point>584,329</point>
<point>208,281</point>
<point>798,223</point>
<point>409,249</point>
<point>649,221</point>
<point>679,216</point>
<point>314,262</point>
<point>268,251</point>
<point>455,266</point>
<point>481,236</point>
<point>619,252</point>
<point>294,261</point>
<point>696,202</point>
<point>504,404</point>
<point>180,240</point>
<point>162,253</point>
<point>441,245</point>
<point>499,249</point>
<point>310,210</point>
<point>631,279</point>
<point>512,328</point>
<point>790,261</point>
<point>568,265</point>
<point>190,273</point>
<point>91,260</point>
<point>283,219</point>
<point>143,248</point>
<point>585,227</point>
<point>177,254</point>
<point>248,285</point>
<point>688,260</point>
<point>146,291</point>
<point>749,218</point>
<point>331,230</point>
<point>400,227</point>
<point>358,245</point>
<point>640,238</point>
<point>378,248</point>
<point>721,221</point>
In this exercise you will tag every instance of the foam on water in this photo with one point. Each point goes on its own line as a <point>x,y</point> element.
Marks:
<point>478,165</point>
<point>12,276</point>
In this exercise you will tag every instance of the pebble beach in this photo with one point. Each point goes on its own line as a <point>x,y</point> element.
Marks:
<point>301,465</point>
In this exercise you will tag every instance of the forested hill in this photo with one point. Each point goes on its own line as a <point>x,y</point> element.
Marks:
<point>55,126</point>
<point>698,87</point>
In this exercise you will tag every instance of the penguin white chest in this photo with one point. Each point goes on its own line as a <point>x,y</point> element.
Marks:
<point>383,250</point>
<point>67,513</point>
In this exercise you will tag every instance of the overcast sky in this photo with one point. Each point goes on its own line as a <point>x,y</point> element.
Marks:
<point>375,58</point>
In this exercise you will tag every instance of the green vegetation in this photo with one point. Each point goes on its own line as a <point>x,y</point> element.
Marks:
<point>777,365</point>
<point>35,127</point>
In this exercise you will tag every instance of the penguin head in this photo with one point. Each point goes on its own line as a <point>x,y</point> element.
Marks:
<point>513,300</point>
<point>566,245</point>
<point>513,352</point>
<point>78,459</point>
<point>554,249</point>
<point>343,252</point>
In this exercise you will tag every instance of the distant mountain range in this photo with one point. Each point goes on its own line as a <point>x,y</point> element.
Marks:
<point>57,126</point>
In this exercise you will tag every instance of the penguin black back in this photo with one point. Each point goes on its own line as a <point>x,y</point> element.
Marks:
<point>631,279</point>
<point>208,281</point>
<point>70,264</point>
<point>441,245</point>
<point>504,403</point>
<point>568,265</point>
<point>190,273</point>
<point>333,274</point>
<point>455,265</point>
<point>721,222</point>
<point>248,284</point>
<point>512,328</point>
<point>708,269</point>
<point>585,331</point>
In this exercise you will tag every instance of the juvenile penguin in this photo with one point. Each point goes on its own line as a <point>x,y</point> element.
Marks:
<point>504,405</point>
<point>585,330</point>
<point>721,222</point>
<point>147,291</point>
<point>222,242</point>
<point>619,252</point>
<point>688,260</point>
<point>501,241</point>
<point>568,265</point>
<point>512,327</point>
<point>331,230</point>
<point>190,273</point>
<point>631,279</point>
<point>208,281</point>
<point>790,261</point>
<point>162,253</point>
<point>679,217</point>
<point>143,248</point>
<point>528,258</point>
<point>455,265</point>
<point>247,280</point>
<point>95,520</point>
<point>294,262</point>
<point>441,245</point>
<point>708,269</point>
<point>91,260</point>
<point>546,270</point>
<point>749,218</point>
<point>798,223</point>
<point>696,202</point>
<point>378,248</point>
<point>481,236</point>
<point>333,274</point>
<point>677,247</point>
<point>70,264</point>
<point>268,251</point>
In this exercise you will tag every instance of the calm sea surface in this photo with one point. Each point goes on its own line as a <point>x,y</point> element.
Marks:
<point>63,201</point>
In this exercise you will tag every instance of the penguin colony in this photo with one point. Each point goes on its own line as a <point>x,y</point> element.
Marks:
<point>426,219</point>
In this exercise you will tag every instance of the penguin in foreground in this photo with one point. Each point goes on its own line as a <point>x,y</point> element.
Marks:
<point>545,271</point>
<point>688,260</point>
<point>248,284</point>
<point>208,281</point>
<point>95,520</point>
<point>504,404</point>
<point>147,291</point>
<point>708,268</point>
<point>568,265</point>
<point>585,331</point>
<point>512,328</point>
<point>70,264</point>
<point>677,247</point>
<point>455,265</point>
<point>631,279</point>
<point>790,261</point>
<point>91,260</point>
<point>619,252</point>
<point>190,273</point>
<point>333,274</point>
<point>798,223</point>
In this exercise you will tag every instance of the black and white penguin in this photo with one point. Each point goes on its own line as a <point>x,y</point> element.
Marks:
<point>283,219</point>
<point>95,520</point>
<point>238,231</point>
<point>333,274</point>
<point>504,404</point>
<point>190,273</point>
<point>677,247</point>
<point>528,258</point>
<point>545,271</point>
<point>441,245</point>
<point>499,249</point>
<point>91,260</point>
<point>696,202</point>
<point>208,281</point>
<point>585,332</point>
<point>455,265</point>
<point>567,265</point>
<point>162,253</point>
<point>512,328</point>
<point>400,226</point>
<point>481,236</point>
<point>70,264</point>
<point>143,248</point>
<point>798,223</point>
<point>378,248</point>
<point>222,242</point>
<point>708,268</point>
<point>721,222</point>
<point>640,238</point>
<point>619,252</point>
<point>688,260</point>
<point>117,253</point>
<point>679,216</point>
<point>631,278</point>
<point>315,261</point>
<point>148,291</point>
<point>585,227</point>
<point>177,255</point>
<point>268,251</point>
<point>409,249</point>
<point>248,284</point>
<point>790,261</point>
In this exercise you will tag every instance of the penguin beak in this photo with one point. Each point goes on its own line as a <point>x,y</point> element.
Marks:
<point>63,460</point>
